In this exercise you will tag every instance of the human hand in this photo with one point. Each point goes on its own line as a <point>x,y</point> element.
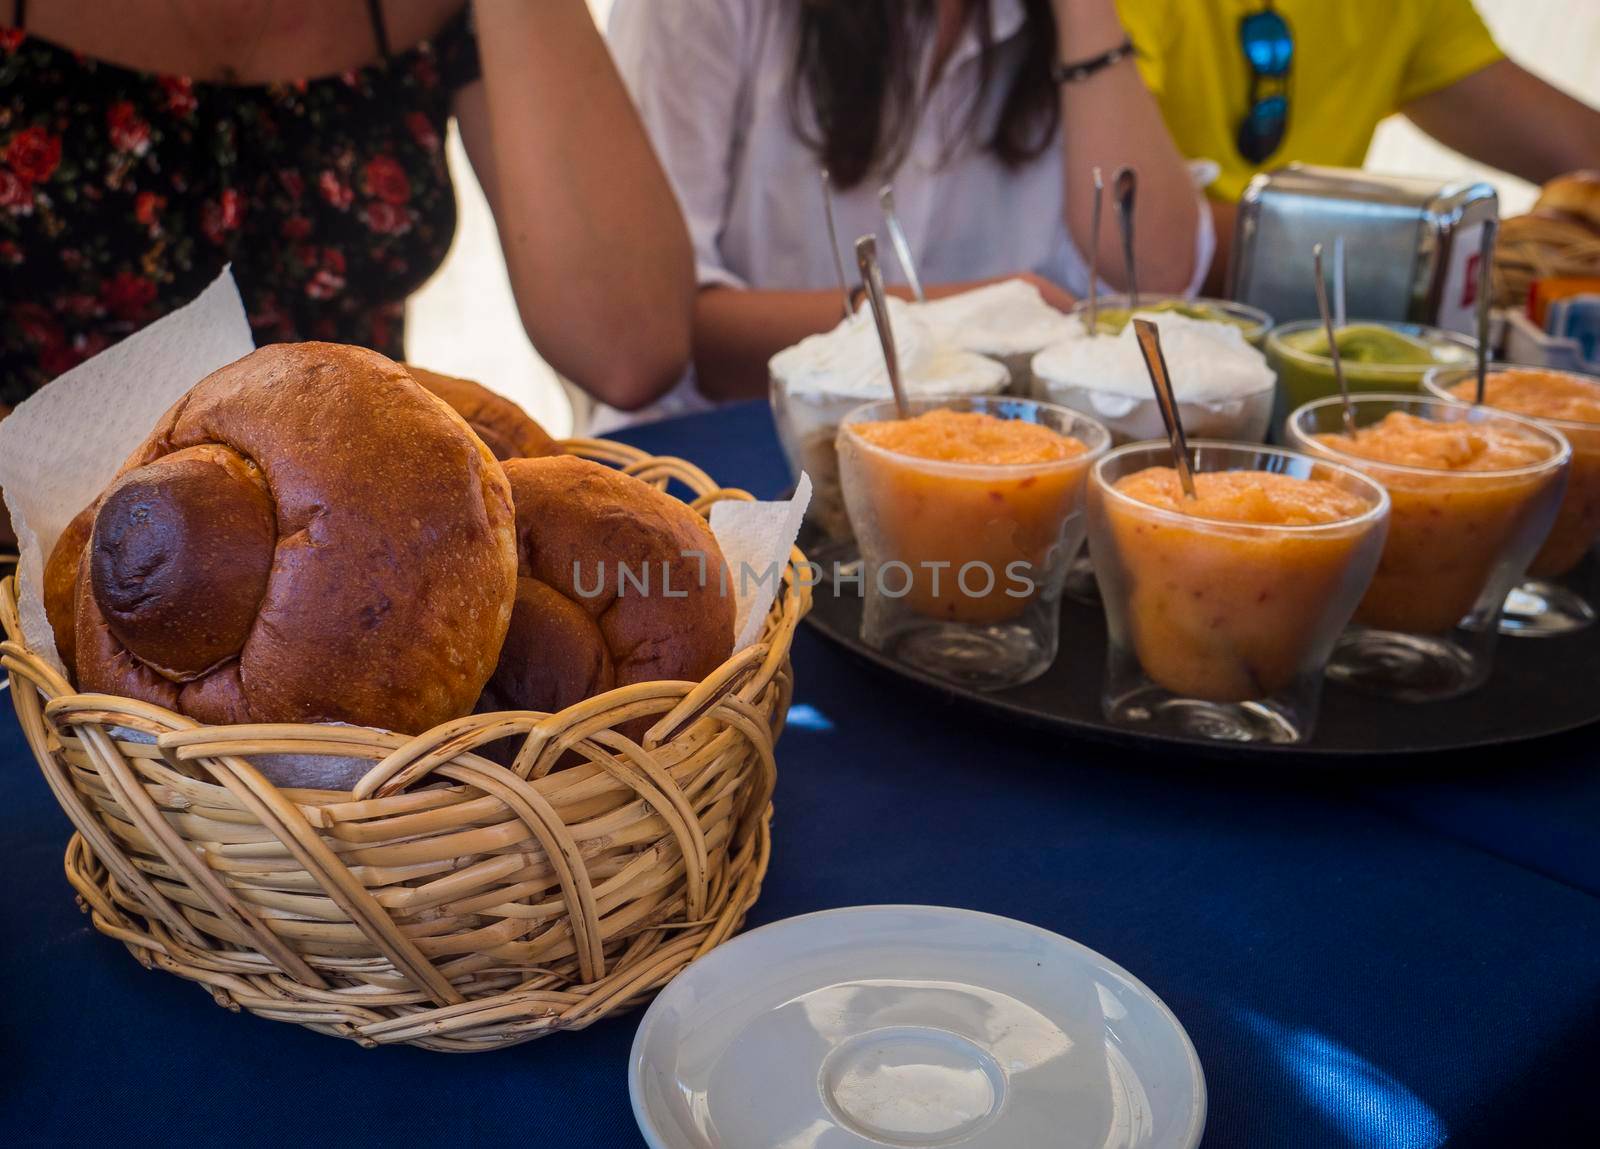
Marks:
<point>1054,294</point>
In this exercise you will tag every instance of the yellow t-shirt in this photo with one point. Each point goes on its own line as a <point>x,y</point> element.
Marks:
<point>1355,62</point>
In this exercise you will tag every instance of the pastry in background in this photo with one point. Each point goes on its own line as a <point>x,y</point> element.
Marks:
<point>307,536</point>
<point>1573,198</point>
<point>508,430</point>
<point>617,583</point>
<point>1559,238</point>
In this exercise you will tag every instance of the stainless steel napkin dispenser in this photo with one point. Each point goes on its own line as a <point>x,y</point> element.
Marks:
<point>1411,245</point>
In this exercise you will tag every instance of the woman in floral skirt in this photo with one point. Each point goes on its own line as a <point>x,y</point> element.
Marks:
<point>146,144</point>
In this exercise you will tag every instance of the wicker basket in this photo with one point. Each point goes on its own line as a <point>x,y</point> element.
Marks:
<point>447,901</point>
<point>1530,248</point>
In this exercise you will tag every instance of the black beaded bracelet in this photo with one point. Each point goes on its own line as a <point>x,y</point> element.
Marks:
<point>1064,73</point>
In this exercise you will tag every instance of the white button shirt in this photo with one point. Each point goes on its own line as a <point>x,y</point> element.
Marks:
<point>711,79</point>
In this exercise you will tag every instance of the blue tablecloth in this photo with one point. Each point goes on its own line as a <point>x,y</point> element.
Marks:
<point>1359,960</point>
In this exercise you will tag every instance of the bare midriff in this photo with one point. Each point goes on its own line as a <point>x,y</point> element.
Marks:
<point>1453,515</point>
<point>950,489</point>
<point>1221,606</point>
<point>1575,401</point>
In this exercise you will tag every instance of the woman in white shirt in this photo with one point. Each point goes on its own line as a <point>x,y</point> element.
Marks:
<point>987,115</point>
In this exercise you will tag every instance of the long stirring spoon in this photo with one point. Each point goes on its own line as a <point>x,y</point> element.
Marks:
<point>1124,187</point>
<point>1149,336</point>
<point>872,279</point>
<point>833,241</point>
<point>902,246</point>
<point>1491,230</point>
<point>1333,342</point>
<point>1339,313</point>
<point>1094,252</point>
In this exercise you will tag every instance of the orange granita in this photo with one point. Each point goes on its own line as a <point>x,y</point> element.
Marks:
<point>949,488</point>
<point>1245,497</point>
<point>1219,609</point>
<point>1541,394</point>
<point>1573,400</point>
<point>970,437</point>
<point>1411,441</point>
<point>1459,494</point>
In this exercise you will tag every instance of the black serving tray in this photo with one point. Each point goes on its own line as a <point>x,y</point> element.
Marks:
<point>1539,687</point>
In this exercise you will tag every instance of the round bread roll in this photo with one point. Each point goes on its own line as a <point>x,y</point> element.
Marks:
<point>580,627</point>
<point>307,536</point>
<point>61,584</point>
<point>507,429</point>
<point>1576,195</point>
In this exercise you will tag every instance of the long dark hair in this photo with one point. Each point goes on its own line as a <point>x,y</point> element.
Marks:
<point>856,75</point>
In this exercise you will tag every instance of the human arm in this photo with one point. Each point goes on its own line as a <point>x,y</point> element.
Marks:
<point>1508,118</point>
<point>596,248</point>
<point>1110,120</point>
<point>1224,215</point>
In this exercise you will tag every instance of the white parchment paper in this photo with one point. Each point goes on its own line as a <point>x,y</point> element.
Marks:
<point>756,539</point>
<point>62,445</point>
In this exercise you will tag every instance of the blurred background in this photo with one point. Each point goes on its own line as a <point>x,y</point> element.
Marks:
<point>464,321</point>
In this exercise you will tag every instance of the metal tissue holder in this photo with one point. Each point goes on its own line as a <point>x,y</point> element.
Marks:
<point>1413,243</point>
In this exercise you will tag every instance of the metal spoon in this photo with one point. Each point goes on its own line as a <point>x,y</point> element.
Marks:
<point>897,236</point>
<point>1333,343</point>
<point>1339,313</point>
<point>872,279</point>
<point>1149,336</point>
<point>1491,231</point>
<point>833,241</point>
<point>1094,252</point>
<point>1124,186</point>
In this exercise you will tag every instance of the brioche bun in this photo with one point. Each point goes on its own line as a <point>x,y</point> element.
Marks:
<point>506,428</point>
<point>307,536</point>
<point>1576,196</point>
<point>578,627</point>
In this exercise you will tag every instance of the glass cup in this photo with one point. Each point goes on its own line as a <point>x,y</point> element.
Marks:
<point>1114,311</point>
<point>1305,375</point>
<point>1541,605</point>
<point>1221,629</point>
<point>1458,542</point>
<point>808,423</point>
<point>962,563</point>
<point>807,426</point>
<point>1240,418</point>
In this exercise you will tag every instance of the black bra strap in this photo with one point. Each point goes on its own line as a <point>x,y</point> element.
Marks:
<point>380,31</point>
<point>21,11</point>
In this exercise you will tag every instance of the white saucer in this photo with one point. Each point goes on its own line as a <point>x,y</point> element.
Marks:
<point>912,1026</point>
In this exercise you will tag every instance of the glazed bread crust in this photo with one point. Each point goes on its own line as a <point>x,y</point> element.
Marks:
<point>1576,196</point>
<point>507,429</point>
<point>307,536</point>
<point>577,630</point>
